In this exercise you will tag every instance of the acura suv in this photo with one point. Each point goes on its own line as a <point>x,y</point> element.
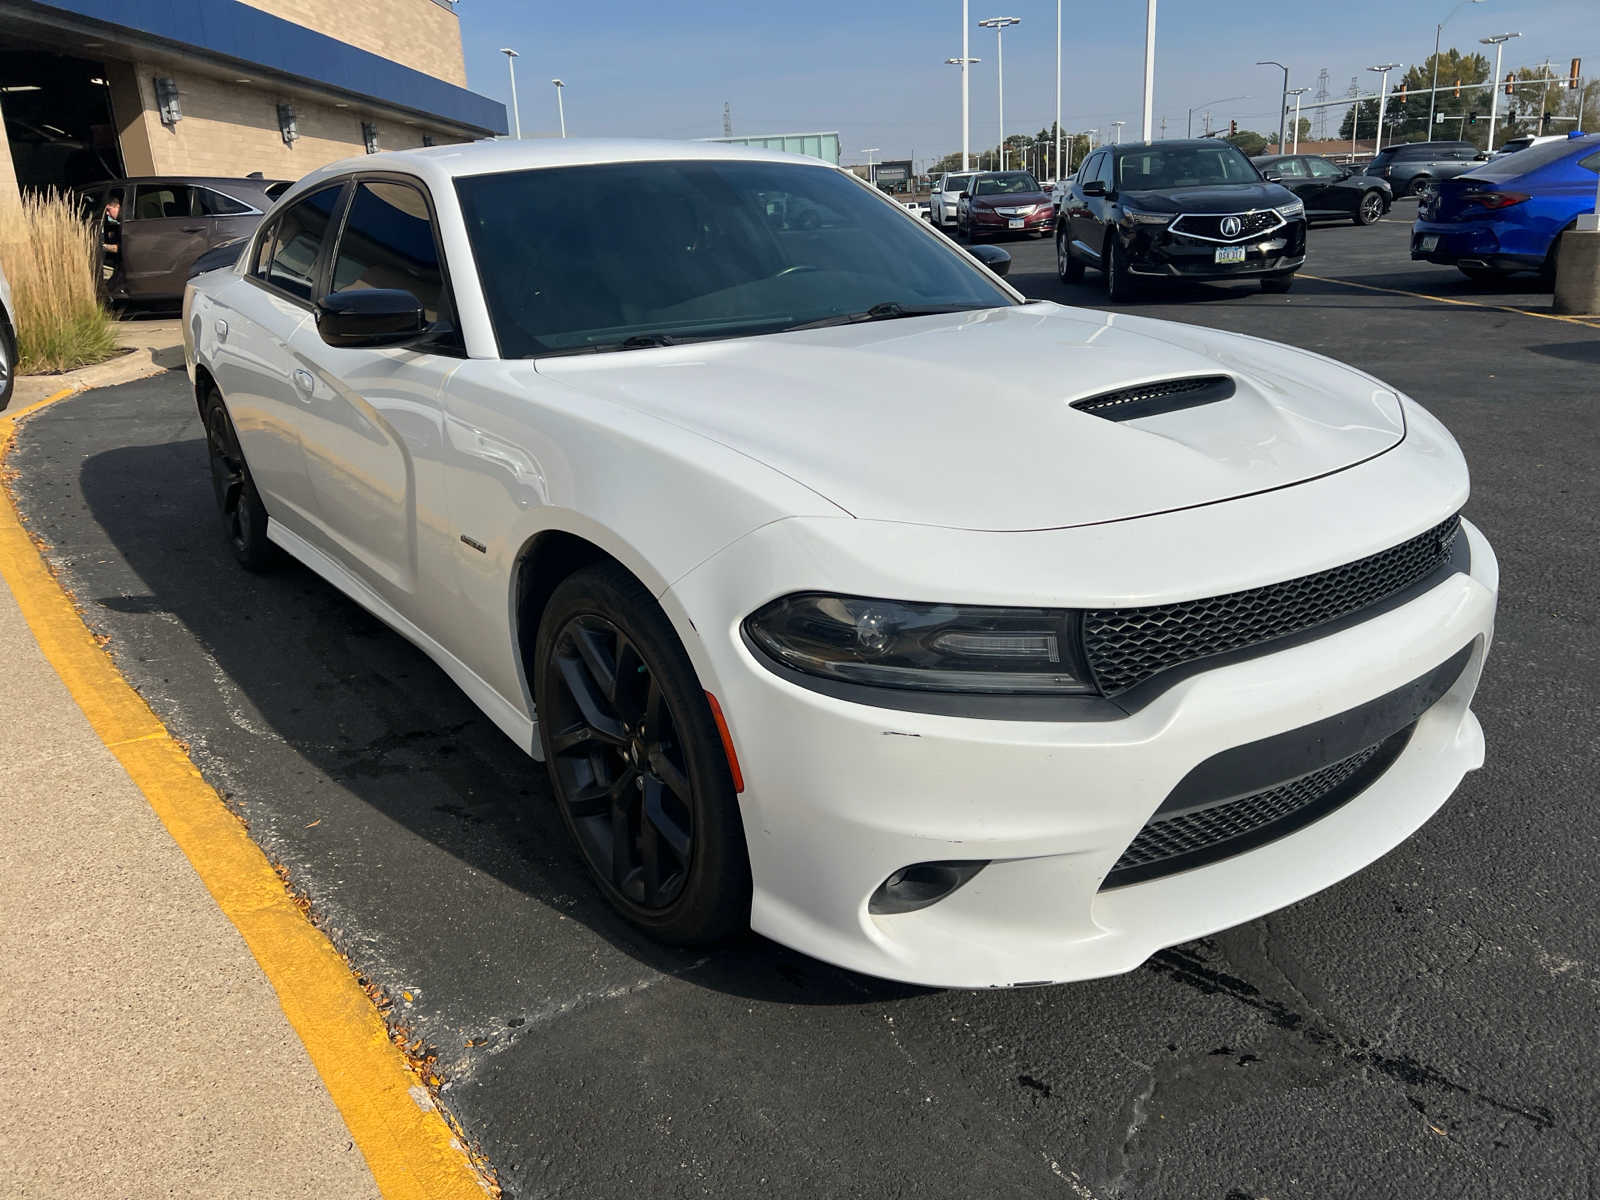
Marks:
<point>1178,210</point>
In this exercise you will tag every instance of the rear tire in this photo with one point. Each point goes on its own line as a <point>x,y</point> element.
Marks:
<point>8,363</point>
<point>1277,285</point>
<point>239,506</point>
<point>1369,211</point>
<point>636,760</point>
<point>1068,269</point>
<point>1417,184</point>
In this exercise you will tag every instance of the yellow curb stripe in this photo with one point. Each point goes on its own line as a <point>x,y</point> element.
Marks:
<point>38,404</point>
<point>1583,322</point>
<point>408,1145</point>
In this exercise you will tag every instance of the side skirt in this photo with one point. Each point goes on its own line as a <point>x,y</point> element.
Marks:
<point>521,730</point>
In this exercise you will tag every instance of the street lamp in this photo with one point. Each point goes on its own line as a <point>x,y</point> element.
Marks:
<point>1117,137</point>
<point>869,152</point>
<point>1438,32</point>
<point>1000,25</point>
<point>561,107</point>
<point>966,110</point>
<point>1283,109</point>
<point>1296,93</point>
<point>1058,90</point>
<point>1149,64</point>
<point>1208,104</point>
<point>1498,41</point>
<point>1382,69</point>
<point>511,62</point>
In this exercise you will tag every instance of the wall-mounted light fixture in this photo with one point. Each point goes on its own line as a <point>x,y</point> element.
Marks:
<point>286,124</point>
<point>167,100</point>
<point>369,136</point>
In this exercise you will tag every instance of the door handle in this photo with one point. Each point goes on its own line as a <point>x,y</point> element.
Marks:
<point>222,331</point>
<point>304,384</point>
<point>193,228</point>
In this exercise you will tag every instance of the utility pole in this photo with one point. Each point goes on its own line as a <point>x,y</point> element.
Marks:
<point>1296,93</point>
<point>1382,70</point>
<point>511,63</point>
<point>1498,41</point>
<point>1058,90</point>
<point>727,119</point>
<point>1149,66</point>
<point>1000,25</point>
<point>1320,121</point>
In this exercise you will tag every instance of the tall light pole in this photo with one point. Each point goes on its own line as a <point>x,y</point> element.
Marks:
<point>1382,69</point>
<point>1000,25</point>
<point>511,62</point>
<point>1438,32</point>
<point>1498,41</point>
<point>1058,91</point>
<point>561,107</point>
<point>1208,104</point>
<point>869,152</point>
<point>1283,108</point>
<point>966,108</point>
<point>1296,93</point>
<point>1117,136</point>
<point>1149,65</point>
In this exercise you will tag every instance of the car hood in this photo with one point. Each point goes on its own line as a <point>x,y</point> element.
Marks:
<point>1222,198</point>
<point>1011,200</point>
<point>965,420</point>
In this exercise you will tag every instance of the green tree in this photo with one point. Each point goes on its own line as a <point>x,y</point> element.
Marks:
<point>1251,142</point>
<point>1368,116</point>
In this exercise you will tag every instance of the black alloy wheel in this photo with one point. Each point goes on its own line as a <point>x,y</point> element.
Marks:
<point>636,760</point>
<point>1418,185</point>
<point>1068,269</point>
<point>1370,210</point>
<point>244,517</point>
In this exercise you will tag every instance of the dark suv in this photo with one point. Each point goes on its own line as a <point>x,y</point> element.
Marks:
<point>1178,210</point>
<point>1408,169</point>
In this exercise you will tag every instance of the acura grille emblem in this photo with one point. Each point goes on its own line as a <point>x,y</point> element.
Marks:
<point>1231,227</point>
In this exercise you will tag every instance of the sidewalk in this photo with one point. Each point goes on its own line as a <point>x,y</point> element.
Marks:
<point>148,1053</point>
<point>154,345</point>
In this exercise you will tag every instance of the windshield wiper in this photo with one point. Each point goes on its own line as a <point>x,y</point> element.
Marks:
<point>888,310</point>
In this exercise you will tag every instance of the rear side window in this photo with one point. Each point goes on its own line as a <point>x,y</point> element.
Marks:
<point>214,204</point>
<point>163,201</point>
<point>297,242</point>
<point>388,242</point>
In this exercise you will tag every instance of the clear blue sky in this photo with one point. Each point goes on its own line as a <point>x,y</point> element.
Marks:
<point>875,71</point>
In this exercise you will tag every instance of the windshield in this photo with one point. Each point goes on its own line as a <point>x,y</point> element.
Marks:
<point>1010,183</point>
<point>957,183</point>
<point>618,255</point>
<point>1534,157</point>
<point>1183,166</point>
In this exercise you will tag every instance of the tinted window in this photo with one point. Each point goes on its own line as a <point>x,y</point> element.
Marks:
<point>299,240</point>
<point>1286,168</point>
<point>1533,158</point>
<point>587,257</point>
<point>1592,163</point>
<point>155,202</point>
<point>215,204</point>
<point>1184,166</point>
<point>1321,168</point>
<point>388,243</point>
<point>1102,168</point>
<point>1003,185</point>
<point>263,254</point>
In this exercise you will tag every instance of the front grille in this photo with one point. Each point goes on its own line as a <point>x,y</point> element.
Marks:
<point>1126,646</point>
<point>1181,841</point>
<point>1208,226</point>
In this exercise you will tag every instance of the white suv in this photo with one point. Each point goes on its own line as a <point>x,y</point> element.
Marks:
<point>945,194</point>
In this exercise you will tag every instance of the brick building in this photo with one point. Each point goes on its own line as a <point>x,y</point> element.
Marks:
<point>95,89</point>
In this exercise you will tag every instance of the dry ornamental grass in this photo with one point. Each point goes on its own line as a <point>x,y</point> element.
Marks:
<point>53,270</point>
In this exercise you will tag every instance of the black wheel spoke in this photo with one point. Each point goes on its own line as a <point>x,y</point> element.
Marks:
<point>668,772</point>
<point>662,823</point>
<point>585,739</point>
<point>598,660</point>
<point>622,864</point>
<point>591,702</point>
<point>597,799</point>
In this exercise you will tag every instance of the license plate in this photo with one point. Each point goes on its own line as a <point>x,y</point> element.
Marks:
<point>1230,254</point>
<point>1016,223</point>
<point>1429,244</point>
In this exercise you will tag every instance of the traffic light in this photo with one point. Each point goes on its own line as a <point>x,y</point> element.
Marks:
<point>1458,89</point>
<point>1472,118</point>
<point>1402,91</point>
<point>1511,84</point>
<point>1233,128</point>
<point>1572,79</point>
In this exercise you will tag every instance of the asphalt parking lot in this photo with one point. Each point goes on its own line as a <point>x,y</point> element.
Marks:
<point>1426,1028</point>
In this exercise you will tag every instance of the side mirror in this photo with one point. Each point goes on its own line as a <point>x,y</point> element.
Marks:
<point>963,195</point>
<point>1095,187</point>
<point>371,317</point>
<point>1272,176</point>
<point>993,257</point>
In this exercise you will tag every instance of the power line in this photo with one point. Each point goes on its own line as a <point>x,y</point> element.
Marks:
<point>1320,121</point>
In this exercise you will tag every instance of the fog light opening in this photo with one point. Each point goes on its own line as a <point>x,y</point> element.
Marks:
<point>920,885</point>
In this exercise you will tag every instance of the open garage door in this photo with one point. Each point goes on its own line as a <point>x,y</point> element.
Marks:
<point>58,119</point>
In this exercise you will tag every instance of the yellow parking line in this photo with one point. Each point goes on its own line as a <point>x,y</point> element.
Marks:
<point>408,1144</point>
<point>1585,322</point>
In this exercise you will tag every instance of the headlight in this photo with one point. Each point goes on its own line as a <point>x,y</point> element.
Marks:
<point>1289,211</point>
<point>925,647</point>
<point>1147,218</point>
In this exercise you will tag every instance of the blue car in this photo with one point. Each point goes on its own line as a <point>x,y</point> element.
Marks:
<point>1506,215</point>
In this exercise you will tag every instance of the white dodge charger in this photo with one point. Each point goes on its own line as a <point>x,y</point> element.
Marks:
<point>844,592</point>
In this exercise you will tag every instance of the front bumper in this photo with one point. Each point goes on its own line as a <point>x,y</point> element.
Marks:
<point>1159,252</point>
<point>986,225</point>
<point>840,794</point>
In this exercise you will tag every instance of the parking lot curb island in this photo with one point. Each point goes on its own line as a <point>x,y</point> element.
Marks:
<point>1578,272</point>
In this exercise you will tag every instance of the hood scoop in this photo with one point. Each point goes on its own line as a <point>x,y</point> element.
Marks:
<point>1154,399</point>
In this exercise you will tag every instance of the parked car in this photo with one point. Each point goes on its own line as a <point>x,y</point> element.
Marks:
<point>1193,209</point>
<point>946,195</point>
<point>1326,189</point>
<point>219,258</point>
<point>813,631</point>
<point>917,208</point>
<point>998,203</point>
<point>1508,215</point>
<point>8,343</point>
<point>1526,141</point>
<point>1410,168</point>
<point>165,223</point>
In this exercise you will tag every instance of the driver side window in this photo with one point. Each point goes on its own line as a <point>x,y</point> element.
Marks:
<point>1321,168</point>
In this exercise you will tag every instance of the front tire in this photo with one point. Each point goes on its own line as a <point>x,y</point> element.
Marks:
<point>636,761</point>
<point>243,515</point>
<point>1119,283</point>
<point>1277,285</point>
<point>1068,269</point>
<point>1370,209</point>
<point>8,364</point>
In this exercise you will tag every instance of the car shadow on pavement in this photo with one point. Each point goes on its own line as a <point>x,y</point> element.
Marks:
<point>315,703</point>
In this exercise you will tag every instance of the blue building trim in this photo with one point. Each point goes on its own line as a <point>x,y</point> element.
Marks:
<point>248,36</point>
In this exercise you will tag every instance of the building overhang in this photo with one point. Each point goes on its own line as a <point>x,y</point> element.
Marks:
<point>251,42</point>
